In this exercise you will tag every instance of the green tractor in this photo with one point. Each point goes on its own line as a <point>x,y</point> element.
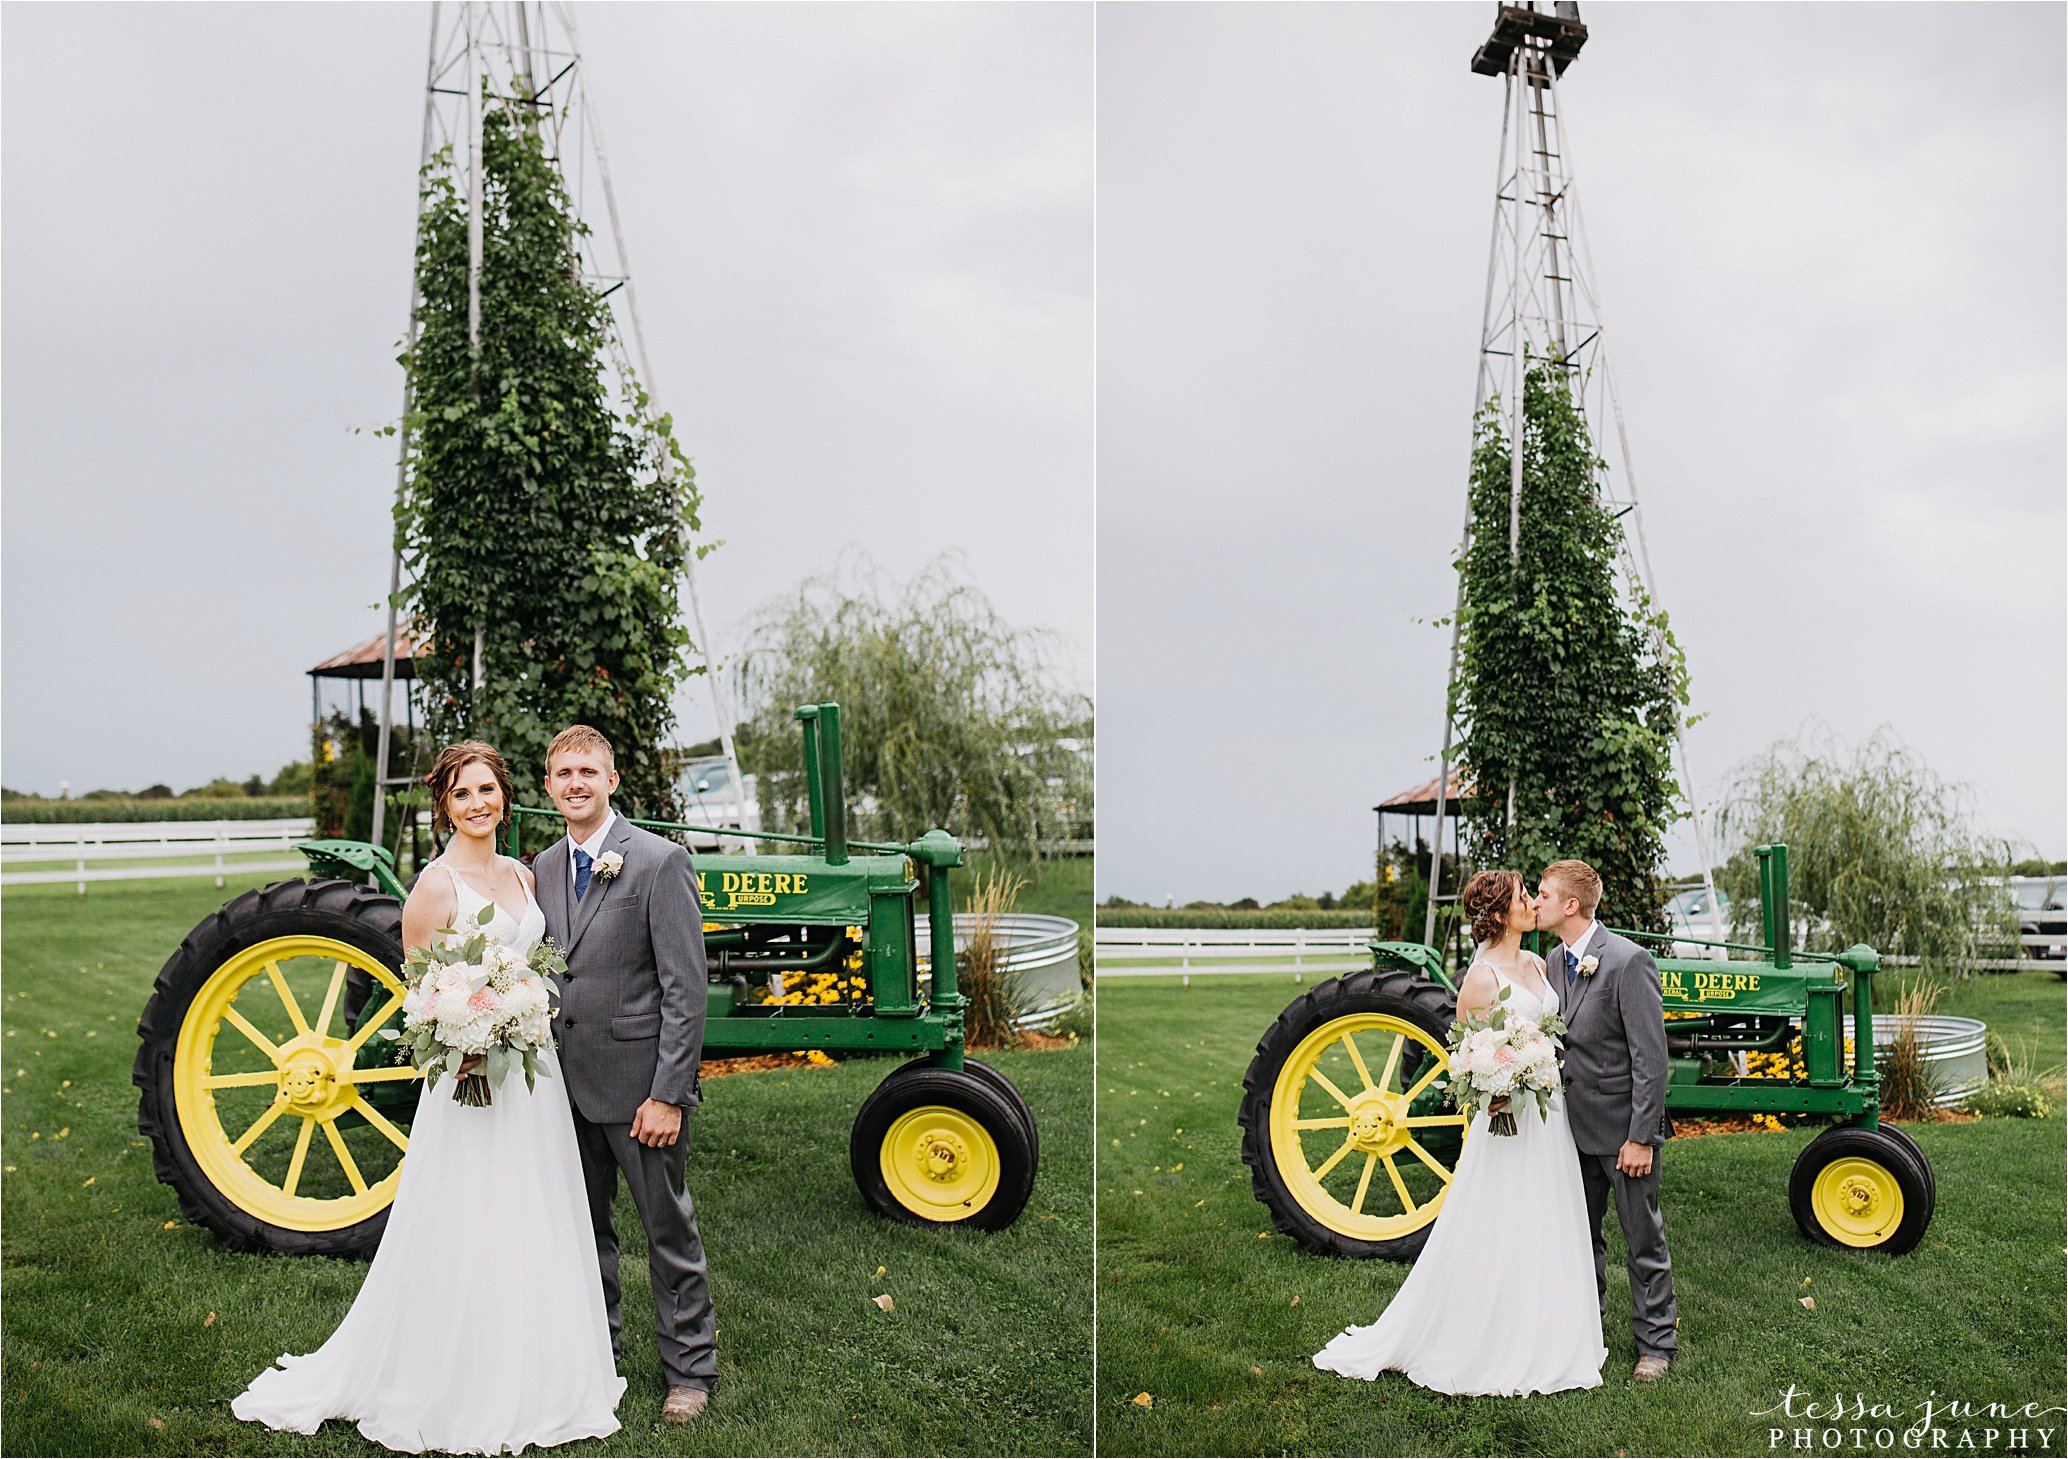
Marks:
<point>1351,1138</point>
<point>262,1031</point>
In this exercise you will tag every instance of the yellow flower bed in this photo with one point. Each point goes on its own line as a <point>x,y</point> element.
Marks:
<point>1782,1066</point>
<point>826,989</point>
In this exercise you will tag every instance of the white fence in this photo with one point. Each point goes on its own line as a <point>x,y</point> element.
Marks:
<point>201,846</point>
<point>1183,951</point>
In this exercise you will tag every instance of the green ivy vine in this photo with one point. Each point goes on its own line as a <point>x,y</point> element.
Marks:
<point>535,508</point>
<point>1564,689</point>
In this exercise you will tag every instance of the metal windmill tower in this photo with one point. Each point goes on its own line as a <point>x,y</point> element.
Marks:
<point>529,54</point>
<point>1542,306</point>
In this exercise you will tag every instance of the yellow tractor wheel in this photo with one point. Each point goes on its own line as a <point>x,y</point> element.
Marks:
<point>1863,1190</point>
<point>274,1107</point>
<point>1344,1125</point>
<point>944,1147</point>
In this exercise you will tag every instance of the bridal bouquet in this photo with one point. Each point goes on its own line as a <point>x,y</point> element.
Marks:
<point>472,995</point>
<point>1498,1055</point>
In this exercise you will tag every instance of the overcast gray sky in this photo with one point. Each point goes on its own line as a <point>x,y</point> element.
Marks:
<point>1829,242</point>
<point>862,242</point>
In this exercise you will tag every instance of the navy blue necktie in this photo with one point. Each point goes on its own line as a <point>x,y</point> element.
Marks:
<point>583,862</point>
<point>1572,968</point>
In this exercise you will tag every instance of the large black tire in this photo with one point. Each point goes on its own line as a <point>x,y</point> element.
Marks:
<point>1861,1190</point>
<point>1398,1002</point>
<point>339,910</point>
<point>1931,1179</point>
<point>984,1160</point>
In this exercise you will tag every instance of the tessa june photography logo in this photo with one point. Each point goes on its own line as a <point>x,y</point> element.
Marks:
<point>1798,1421</point>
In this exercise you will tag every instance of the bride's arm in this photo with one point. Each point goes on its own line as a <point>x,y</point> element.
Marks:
<point>1475,996</point>
<point>430,908</point>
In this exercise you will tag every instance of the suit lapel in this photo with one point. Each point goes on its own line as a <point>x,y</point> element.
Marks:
<point>1581,984</point>
<point>551,869</point>
<point>599,888</point>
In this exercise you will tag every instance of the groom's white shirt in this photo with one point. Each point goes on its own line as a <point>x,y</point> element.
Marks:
<point>1577,948</point>
<point>594,845</point>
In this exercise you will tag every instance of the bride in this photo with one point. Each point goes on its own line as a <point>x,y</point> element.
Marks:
<point>480,1326</point>
<point>1502,1300</point>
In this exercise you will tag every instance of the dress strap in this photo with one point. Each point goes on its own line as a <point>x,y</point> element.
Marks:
<point>460,886</point>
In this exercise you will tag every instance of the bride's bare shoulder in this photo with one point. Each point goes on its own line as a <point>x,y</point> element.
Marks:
<point>433,903</point>
<point>524,874</point>
<point>1476,988</point>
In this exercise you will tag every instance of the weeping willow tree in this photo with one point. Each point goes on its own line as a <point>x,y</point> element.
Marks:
<point>1880,850</point>
<point>1568,694</point>
<point>951,717</point>
<point>537,512</point>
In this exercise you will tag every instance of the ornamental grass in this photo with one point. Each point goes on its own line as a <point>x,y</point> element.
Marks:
<point>988,1020</point>
<point>1909,1083</point>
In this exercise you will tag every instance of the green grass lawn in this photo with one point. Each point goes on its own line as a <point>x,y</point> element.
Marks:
<point>124,1335</point>
<point>1204,1307</point>
<point>2023,1007</point>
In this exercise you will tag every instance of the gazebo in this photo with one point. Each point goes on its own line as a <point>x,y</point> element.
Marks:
<point>356,666</point>
<point>1418,802</point>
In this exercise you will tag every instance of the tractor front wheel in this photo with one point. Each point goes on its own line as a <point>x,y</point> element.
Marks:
<point>1862,1190</point>
<point>1346,1133</point>
<point>260,1037</point>
<point>945,1147</point>
<point>1931,1180</point>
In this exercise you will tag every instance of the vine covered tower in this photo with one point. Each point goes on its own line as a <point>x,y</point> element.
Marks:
<point>526,53</point>
<point>1542,311</point>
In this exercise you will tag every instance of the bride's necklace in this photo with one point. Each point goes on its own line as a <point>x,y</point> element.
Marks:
<point>1512,974</point>
<point>489,873</point>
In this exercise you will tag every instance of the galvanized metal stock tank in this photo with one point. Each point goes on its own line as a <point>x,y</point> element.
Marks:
<point>1039,955</point>
<point>1953,1052</point>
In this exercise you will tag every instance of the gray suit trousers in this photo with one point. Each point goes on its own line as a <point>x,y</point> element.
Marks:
<point>685,1329</point>
<point>1644,1234</point>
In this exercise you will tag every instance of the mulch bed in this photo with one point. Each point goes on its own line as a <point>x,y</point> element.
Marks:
<point>1740,1124</point>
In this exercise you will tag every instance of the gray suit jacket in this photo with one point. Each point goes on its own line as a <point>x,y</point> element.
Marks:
<point>632,1002</point>
<point>1615,1047</point>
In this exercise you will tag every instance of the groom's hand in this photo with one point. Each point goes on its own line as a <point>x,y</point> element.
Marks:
<point>658,1125</point>
<point>1634,1160</point>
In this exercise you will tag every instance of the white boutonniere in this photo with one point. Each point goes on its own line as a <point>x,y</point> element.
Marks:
<point>610,863</point>
<point>1588,964</point>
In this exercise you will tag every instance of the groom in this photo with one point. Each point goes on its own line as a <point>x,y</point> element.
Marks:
<point>621,905</point>
<point>1615,1094</point>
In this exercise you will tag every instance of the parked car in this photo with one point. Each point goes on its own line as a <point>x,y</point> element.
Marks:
<point>709,798</point>
<point>1691,914</point>
<point>2042,913</point>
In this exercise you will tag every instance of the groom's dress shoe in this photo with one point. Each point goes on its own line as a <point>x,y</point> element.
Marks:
<point>1648,1368</point>
<point>684,1403</point>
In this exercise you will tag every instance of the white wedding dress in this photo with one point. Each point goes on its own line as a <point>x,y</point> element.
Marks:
<point>1502,1299</point>
<point>480,1326</point>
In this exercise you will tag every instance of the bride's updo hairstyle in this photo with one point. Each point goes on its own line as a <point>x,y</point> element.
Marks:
<point>1487,898</point>
<point>446,773</point>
